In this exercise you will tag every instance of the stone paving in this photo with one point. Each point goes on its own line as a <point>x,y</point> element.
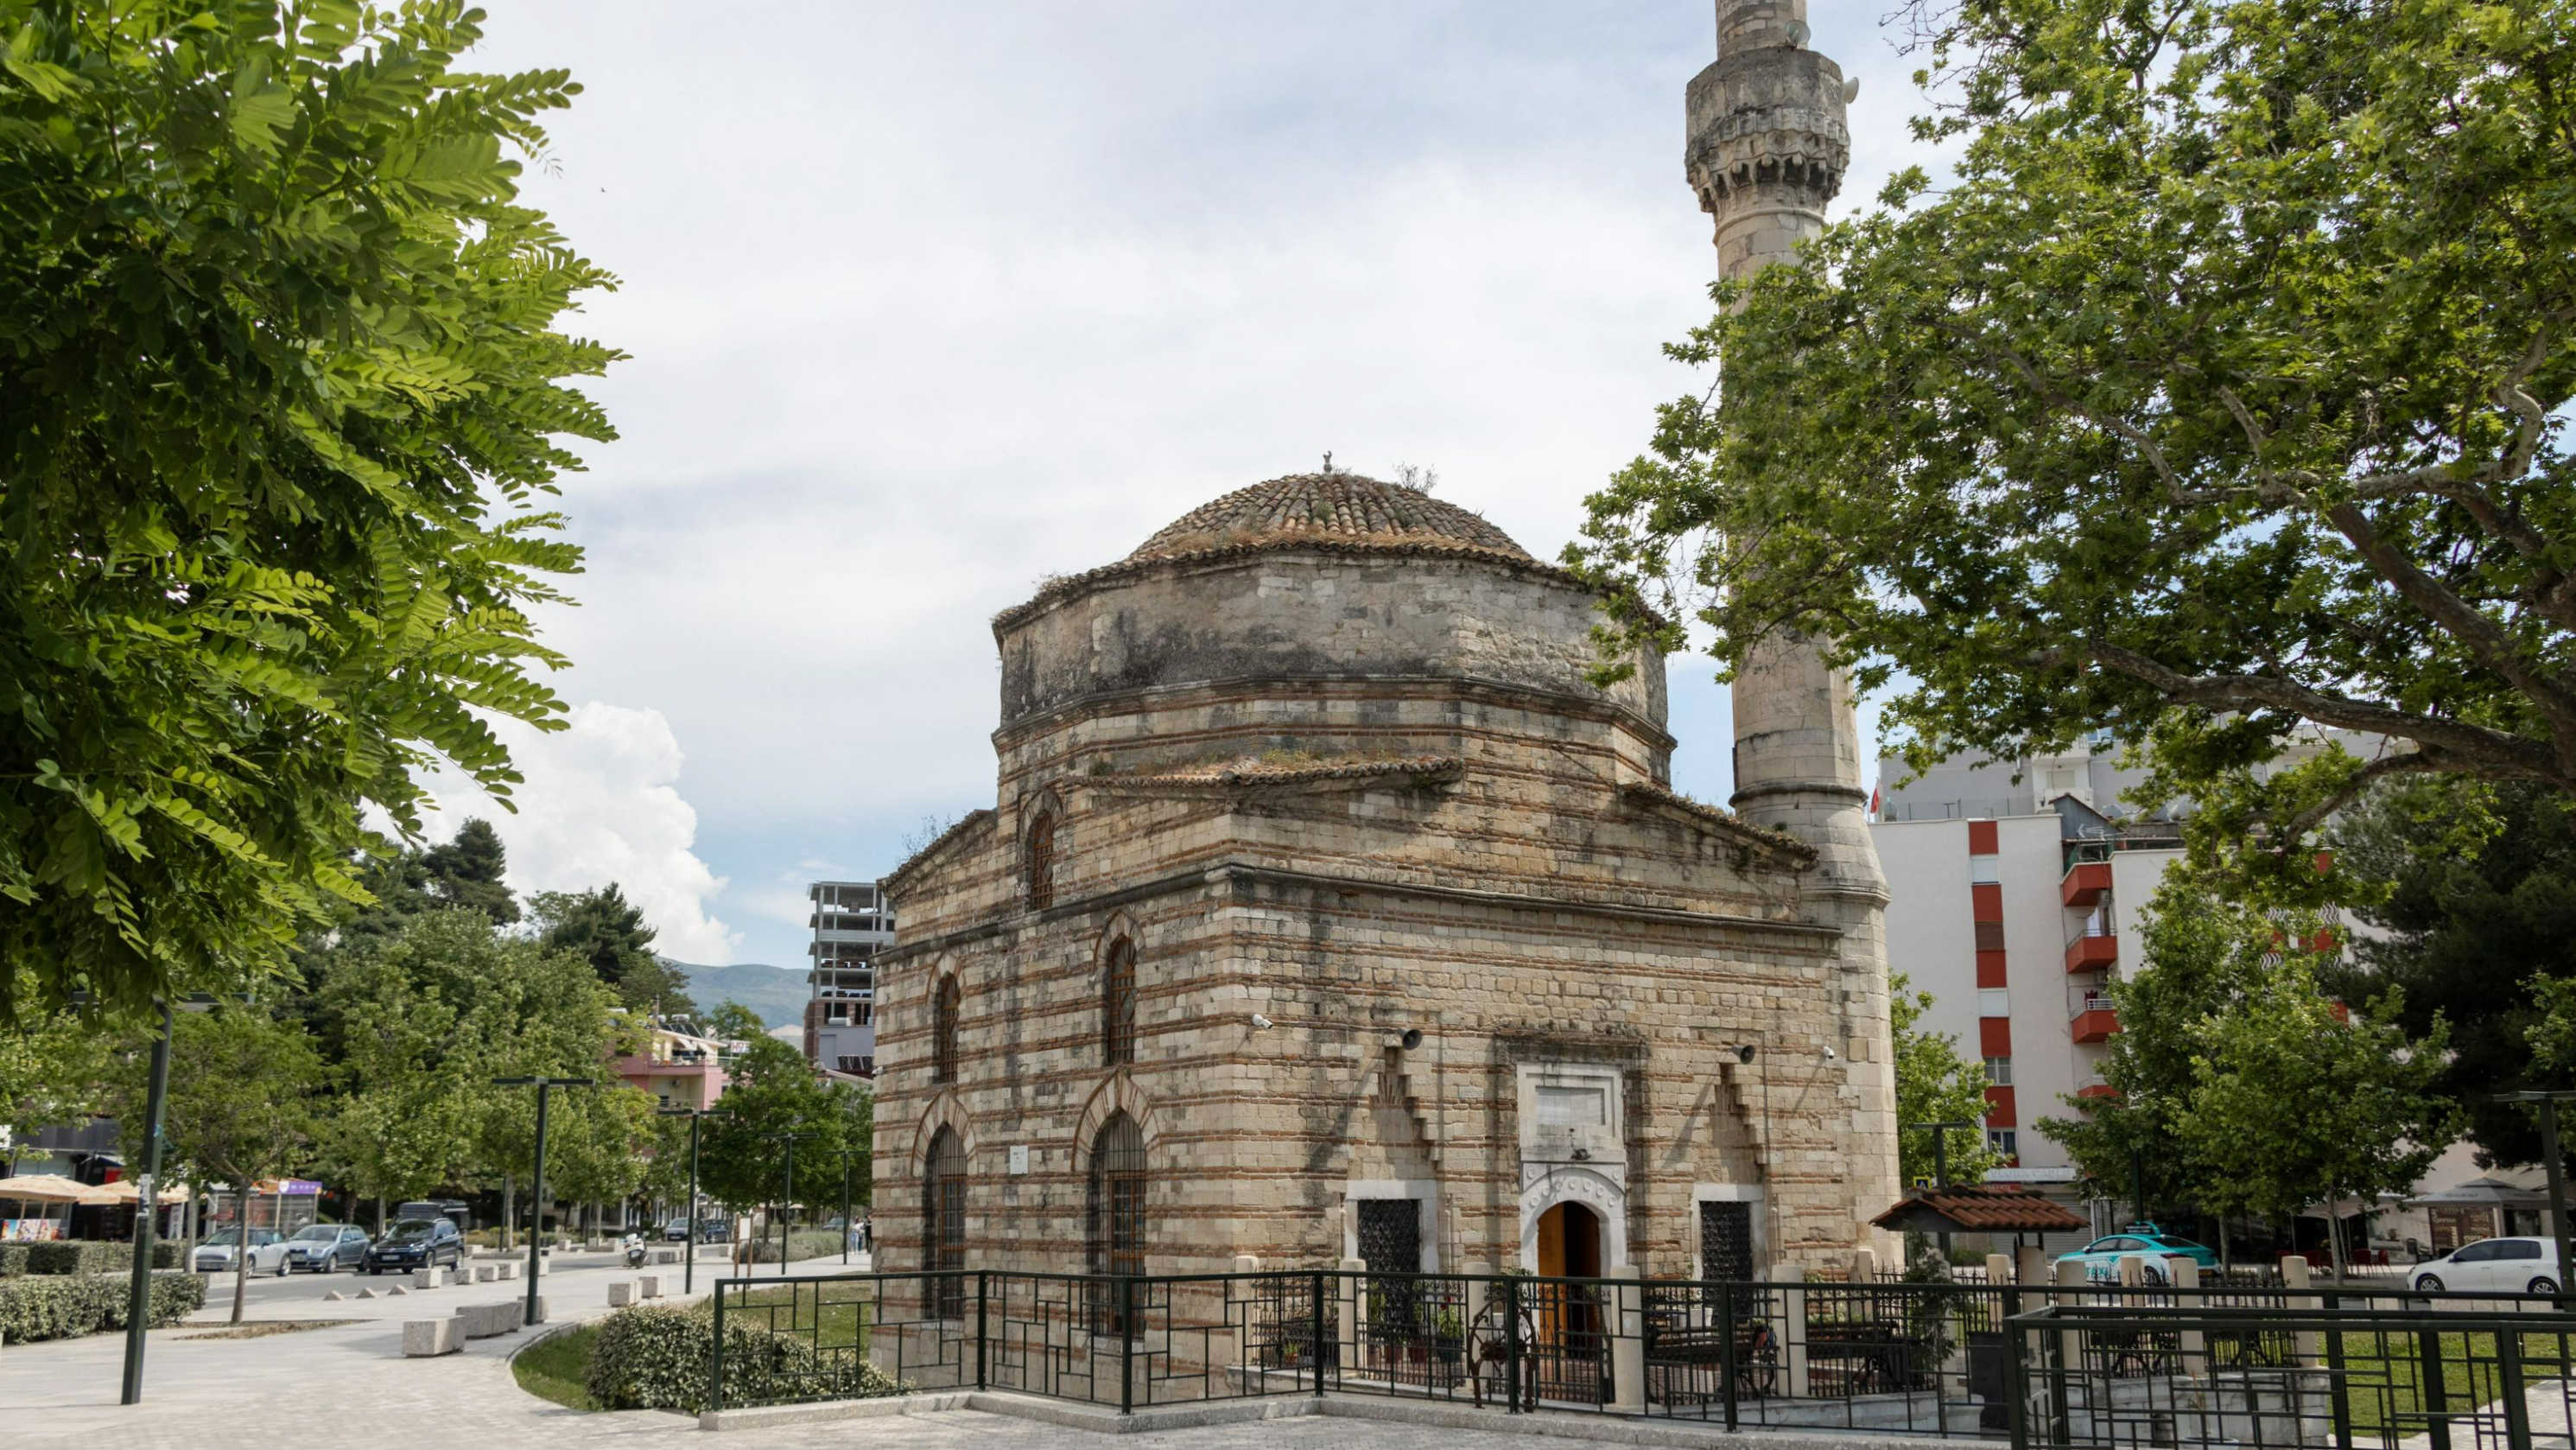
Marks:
<point>351,1386</point>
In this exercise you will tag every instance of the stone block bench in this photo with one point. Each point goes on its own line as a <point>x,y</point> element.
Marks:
<point>484,1321</point>
<point>427,1338</point>
<point>428,1278</point>
<point>621,1293</point>
<point>648,1286</point>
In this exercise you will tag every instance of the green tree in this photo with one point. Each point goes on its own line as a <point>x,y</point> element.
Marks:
<point>774,1090</point>
<point>244,1104</point>
<point>2476,891</point>
<point>424,1020</point>
<point>53,1070</point>
<point>280,382</point>
<point>2210,400</point>
<point>2202,959</point>
<point>1934,1084</point>
<point>2297,1100</point>
<point>603,928</point>
<point>393,1014</point>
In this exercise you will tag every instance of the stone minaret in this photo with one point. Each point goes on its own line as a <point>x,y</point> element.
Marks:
<point>1766,153</point>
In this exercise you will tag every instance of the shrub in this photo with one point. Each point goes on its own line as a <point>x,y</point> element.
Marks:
<point>65,1306</point>
<point>803,1243</point>
<point>74,1256</point>
<point>13,1260</point>
<point>85,1256</point>
<point>656,1357</point>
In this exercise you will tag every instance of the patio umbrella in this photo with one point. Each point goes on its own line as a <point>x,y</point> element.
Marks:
<point>123,1191</point>
<point>53,1188</point>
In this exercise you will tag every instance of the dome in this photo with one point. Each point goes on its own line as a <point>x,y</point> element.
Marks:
<point>1341,507</point>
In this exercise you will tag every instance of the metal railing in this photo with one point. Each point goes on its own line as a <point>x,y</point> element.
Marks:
<point>2256,1362</point>
<point>2448,1373</point>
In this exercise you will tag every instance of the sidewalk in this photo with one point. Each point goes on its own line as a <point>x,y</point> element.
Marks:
<point>350,1386</point>
<point>347,1385</point>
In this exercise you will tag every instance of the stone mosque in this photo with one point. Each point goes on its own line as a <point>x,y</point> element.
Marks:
<point>1328,909</point>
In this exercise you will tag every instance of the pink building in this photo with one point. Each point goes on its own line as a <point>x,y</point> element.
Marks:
<point>678,1067</point>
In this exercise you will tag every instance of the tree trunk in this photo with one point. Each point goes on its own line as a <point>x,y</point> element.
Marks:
<point>241,1260</point>
<point>380,1215</point>
<point>509,1208</point>
<point>2334,1239</point>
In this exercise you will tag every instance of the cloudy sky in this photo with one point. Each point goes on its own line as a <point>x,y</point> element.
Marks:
<point>929,300</point>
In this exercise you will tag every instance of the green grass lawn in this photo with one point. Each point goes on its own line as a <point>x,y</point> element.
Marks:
<point>552,1368</point>
<point>843,1323</point>
<point>2384,1374</point>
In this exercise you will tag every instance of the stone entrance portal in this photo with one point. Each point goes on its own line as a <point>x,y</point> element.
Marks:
<point>1569,1243</point>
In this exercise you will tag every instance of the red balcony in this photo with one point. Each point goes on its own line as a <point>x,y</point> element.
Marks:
<point>2092,952</point>
<point>2086,883</point>
<point>2097,1089</point>
<point>2095,1021</point>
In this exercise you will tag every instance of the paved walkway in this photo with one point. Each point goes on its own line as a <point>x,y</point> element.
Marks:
<point>351,1386</point>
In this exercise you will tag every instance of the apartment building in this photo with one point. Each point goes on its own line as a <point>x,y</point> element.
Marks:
<point>852,923</point>
<point>2014,890</point>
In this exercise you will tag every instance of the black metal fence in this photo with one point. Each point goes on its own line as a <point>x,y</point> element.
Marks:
<point>2089,1367</point>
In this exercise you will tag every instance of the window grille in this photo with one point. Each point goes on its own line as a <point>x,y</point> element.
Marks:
<point>1118,1003</point>
<point>1116,1230</point>
<point>943,1199</point>
<point>943,1046</point>
<point>1041,862</point>
<point>1726,1241</point>
<point>1390,1243</point>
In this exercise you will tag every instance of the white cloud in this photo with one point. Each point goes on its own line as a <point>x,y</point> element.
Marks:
<point>601,803</point>
<point>958,296</point>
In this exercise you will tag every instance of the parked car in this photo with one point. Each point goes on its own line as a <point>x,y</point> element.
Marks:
<point>676,1231</point>
<point>449,1208</point>
<point>710,1230</point>
<point>416,1243</point>
<point>325,1247</point>
<point>215,1255</point>
<point>2496,1266</point>
<point>2101,1258</point>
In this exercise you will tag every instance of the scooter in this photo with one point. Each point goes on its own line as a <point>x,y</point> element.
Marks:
<point>634,1246</point>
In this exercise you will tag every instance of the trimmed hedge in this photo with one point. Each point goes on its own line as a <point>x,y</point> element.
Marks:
<point>802,1243</point>
<point>84,1256</point>
<point>66,1306</point>
<point>655,1357</point>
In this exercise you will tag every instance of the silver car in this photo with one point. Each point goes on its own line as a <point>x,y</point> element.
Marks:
<point>215,1255</point>
<point>323,1247</point>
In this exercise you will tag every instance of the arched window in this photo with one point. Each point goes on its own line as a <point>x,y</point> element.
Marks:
<point>1116,1229</point>
<point>943,1032</point>
<point>1118,1003</point>
<point>1041,861</point>
<point>943,1237</point>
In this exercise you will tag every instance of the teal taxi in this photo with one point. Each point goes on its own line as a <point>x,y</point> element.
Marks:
<point>2101,1258</point>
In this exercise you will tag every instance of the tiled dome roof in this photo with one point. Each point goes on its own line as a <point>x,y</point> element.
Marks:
<point>1342,507</point>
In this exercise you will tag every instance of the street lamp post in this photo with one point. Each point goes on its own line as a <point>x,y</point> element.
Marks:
<point>138,1303</point>
<point>537,1197</point>
<point>147,1203</point>
<point>689,1239</point>
<point>787,1202</point>
<point>2549,1102</point>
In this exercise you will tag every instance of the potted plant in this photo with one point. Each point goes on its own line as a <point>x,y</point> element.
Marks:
<point>1449,1338</point>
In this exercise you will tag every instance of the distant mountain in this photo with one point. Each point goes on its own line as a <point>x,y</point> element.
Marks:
<point>776,993</point>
